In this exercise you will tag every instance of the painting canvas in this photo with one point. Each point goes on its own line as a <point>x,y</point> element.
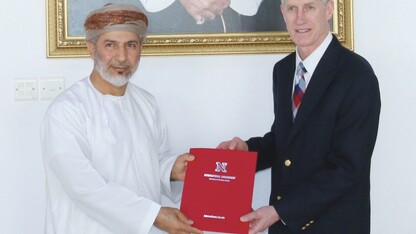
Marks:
<point>250,26</point>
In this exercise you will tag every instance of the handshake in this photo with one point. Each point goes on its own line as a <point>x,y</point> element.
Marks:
<point>202,10</point>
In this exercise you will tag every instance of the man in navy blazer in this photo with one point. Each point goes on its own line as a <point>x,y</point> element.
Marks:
<point>320,157</point>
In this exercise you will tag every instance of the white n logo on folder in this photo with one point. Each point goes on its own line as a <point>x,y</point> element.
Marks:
<point>221,167</point>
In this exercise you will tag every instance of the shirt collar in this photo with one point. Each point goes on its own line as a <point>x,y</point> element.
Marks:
<point>311,62</point>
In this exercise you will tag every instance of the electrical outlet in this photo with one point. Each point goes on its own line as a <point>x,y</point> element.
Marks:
<point>25,89</point>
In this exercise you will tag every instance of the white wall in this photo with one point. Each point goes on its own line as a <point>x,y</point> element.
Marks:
<point>206,99</point>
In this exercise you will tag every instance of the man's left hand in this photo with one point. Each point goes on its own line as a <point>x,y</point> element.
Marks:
<point>179,168</point>
<point>261,219</point>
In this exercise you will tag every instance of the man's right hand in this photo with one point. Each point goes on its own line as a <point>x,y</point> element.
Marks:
<point>173,221</point>
<point>235,144</point>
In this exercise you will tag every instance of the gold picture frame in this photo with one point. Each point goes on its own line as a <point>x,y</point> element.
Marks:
<point>61,45</point>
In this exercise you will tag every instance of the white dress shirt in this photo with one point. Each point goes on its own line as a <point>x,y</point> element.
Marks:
<point>311,62</point>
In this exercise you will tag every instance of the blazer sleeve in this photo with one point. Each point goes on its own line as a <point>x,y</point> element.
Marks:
<point>265,148</point>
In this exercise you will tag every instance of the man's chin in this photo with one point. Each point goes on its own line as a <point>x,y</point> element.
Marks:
<point>118,81</point>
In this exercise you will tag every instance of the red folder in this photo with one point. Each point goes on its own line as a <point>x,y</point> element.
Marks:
<point>218,189</point>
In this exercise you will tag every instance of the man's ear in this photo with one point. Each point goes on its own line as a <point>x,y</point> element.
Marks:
<point>91,49</point>
<point>330,9</point>
<point>282,9</point>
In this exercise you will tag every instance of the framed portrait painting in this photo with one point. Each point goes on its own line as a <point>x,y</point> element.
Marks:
<point>244,27</point>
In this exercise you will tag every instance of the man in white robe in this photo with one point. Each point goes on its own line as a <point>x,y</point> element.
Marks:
<point>212,16</point>
<point>209,8</point>
<point>104,145</point>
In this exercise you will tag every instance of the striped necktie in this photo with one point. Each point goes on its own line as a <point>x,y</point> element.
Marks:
<point>300,87</point>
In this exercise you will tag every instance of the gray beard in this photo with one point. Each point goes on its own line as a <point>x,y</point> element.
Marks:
<point>118,80</point>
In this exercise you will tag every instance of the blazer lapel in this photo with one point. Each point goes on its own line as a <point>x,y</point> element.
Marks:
<point>324,74</point>
<point>283,81</point>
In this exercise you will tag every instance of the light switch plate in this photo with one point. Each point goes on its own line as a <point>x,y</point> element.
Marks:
<point>51,87</point>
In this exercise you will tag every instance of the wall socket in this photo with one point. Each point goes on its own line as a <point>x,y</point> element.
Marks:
<point>25,89</point>
<point>30,89</point>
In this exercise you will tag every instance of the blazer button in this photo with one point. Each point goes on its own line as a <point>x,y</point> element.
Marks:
<point>279,198</point>
<point>288,162</point>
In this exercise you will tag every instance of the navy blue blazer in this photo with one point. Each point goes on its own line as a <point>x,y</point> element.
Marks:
<point>321,161</point>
